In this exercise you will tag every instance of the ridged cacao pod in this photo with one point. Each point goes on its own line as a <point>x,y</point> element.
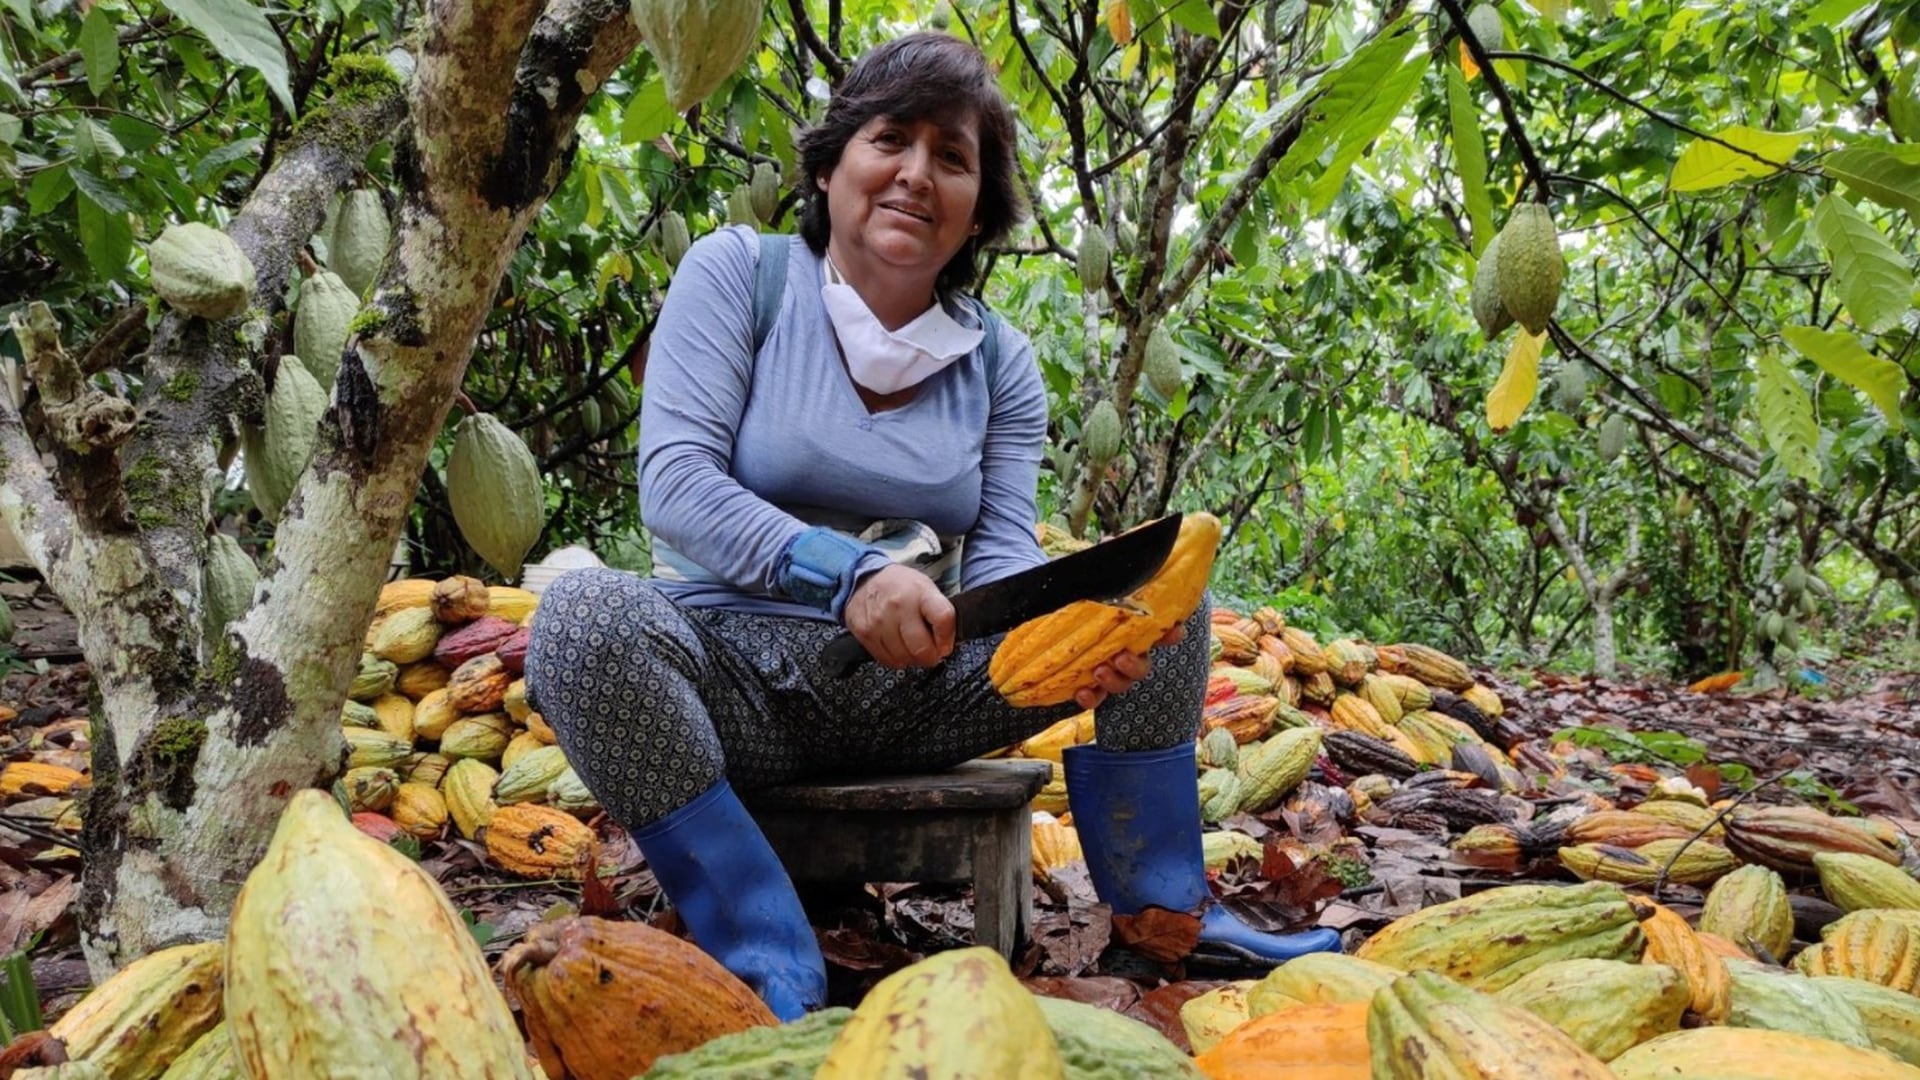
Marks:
<point>1220,793</point>
<point>568,792</point>
<point>603,1000</point>
<point>1300,1042</point>
<point>1855,881</point>
<point>468,789</point>
<point>1530,267</point>
<point>1210,1017</point>
<point>276,453</point>
<point>404,637</point>
<point>209,1058</point>
<point>1359,754</point>
<point>1768,998</point>
<point>1219,749</point>
<point>494,490</point>
<point>460,599</point>
<point>1491,939</point>
<point>1318,979</point>
<point>476,639</point>
<point>1622,828</point>
<point>954,1015</point>
<point>1672,942</point>
<point>1867,945</point>
<point>373,747</point>
<point>335,936</point>
<point>1097,1044</point>
<point>1892,1018</point>
<point>373,678</point>
<point>1749,907</point>
<point>1484,699</point>
<point>1308,657</point>
<point>434,714</point>
<point>1570,387</point>
<point>427,768</point>
<point>527,779</point>
<point>481,736</point>
<point>511,604</point>
<point>1717,1053</point>
<point>1273,768</point>
<point>1607,1006</point>
<point>1045,661</point>
<point>1095,254</point>
<point>1375,691</point>
<point>393,714</point>
<point>1161,364</point>
<point>198,269</point>
<point>1423,1026</point>
<point>1219,850</point>
<point>790,1051</point>
<point>1244,716</point>
<point>148,1013</point>
<point>697,43</point>
<point>1236,646</point>
<point>536,841</point>
<point>322,322</point>
<point>1433,667</point>
<point>227,582</point>
<point>674,238</point>
<point>1488,310</point>
<point>479,685</point>
<point>1693,818</point>
<point>522,744</point>
<point>419,809</point>
<point>1494,846</point>
<point>370,788</point>
<point>513,651</point>
<point>1350,713</point>
<point>1348,661</point>
<point>405,593</point>
<point>1100,436</point>
<point>1698,863</point>
<point>358,244</point>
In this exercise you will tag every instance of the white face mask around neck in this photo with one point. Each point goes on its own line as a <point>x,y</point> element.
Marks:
<point>888,361</point>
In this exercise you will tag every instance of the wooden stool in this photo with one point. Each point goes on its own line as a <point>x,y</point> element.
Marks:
<point>968,824</point>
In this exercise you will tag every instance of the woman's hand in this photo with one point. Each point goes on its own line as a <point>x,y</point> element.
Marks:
<point>902,618</point>
<point>1117,675</point>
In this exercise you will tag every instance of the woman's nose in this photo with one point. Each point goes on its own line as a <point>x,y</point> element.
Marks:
<point>915,166</point>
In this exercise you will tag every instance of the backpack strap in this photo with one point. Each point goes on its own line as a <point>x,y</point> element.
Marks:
<point>770,286</point>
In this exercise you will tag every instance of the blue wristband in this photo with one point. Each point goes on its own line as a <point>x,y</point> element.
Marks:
<point>819,568</point>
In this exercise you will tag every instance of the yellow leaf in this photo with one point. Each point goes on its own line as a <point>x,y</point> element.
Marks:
<point>1129,60</point>
<point>1467,66</point>
<point>1705,164</point>
<point>1518,383</point>
<point>1119,22</point>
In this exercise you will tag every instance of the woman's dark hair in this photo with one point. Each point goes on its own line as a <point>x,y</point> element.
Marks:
<point>918,77</point>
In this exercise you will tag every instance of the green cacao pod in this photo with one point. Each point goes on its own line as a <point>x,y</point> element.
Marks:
<point>493,485</point>
<point>1318,979</point>
<point>568,792</point>
<point>1095,256</point>
<point>1570,387</point>
<point>358,244</point>
<point>370,788</point>
<point>674,238</point>
<point>1608,1006</point>
<point>1489,940</point>
<point>1219,749</point>
<point>321,324</point>
<point>1488,310</point>
<point>791,1051</point>
<point>1767,998</point>
<point>1100,1044</point>
<point>1613,437</point>
<point>227,583</point>
<point>1856,881</point>
<point>324,892</point>
<point>909,1025</point>
<point>1161,365</point>
<point>1892,1018</point>
<point>697,43</point>
<point>1220,791</point>
<point>200,270</point>
<point>1722,1053</point>
<point>740,207</point>
<point>1423,1026</point>
<point>1100,438</point>
<point>277,452</point>
<point>209,1058</point>
<point>530,775</point>
<point>373,747</point>
<point>1530,267</point>
<point>1269,770</point>
<point>1484,21</point>
<point>765,190</point>
<point>1749,907</point>
<point>373,678</point>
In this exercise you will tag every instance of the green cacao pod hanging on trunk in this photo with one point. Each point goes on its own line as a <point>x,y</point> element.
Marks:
<point>697,43</point>
<point>200,270</point>
<point>358,244</point>
<point>674,238</point>
<point>493,484</point>
<point>1101,437</point>
<point>321,324</point>
<point>1162,363</point>
<point>1530,267</point>
<point>1095,256</point>
<point>227,582</point>
<point>278,451</point>
<point>1488,311</point>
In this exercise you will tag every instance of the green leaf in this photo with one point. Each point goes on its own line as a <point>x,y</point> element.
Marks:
<point>109,196</point>
<point>240,32</point>
<point>1879,172</point>
<point>1872,278</point>
<point>1843,357</point>
<point>1470,157</point>
<point>1345,92</point>
<point>7,77</point>
<point>1830,13</point>
<point>49,189</point>
<point>106,236</point>
<point>1366,125</point>
<point>99,49</point>
<point>1786,415</point>
<point>22,10</point>
<point>9,128</point>
<point>1705,164</point>
<point>596,195</point>
<point>1195,17</point>
<point>648,114</point>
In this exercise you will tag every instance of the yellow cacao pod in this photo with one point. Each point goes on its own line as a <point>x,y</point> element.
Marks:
<point>536,841</point>
<point>1045,661</point>
<point>522,744</point>
<point>147,1013</point>
<point>1491,939</point>
<point>198,269</point>
<point>419,809</point>
<point>434,714</point>
<point>956,1015</point>
<point>1299,1042</point>
<point>1672,942</point>
<point>460,599</point>
<point>1208,1018</point>
<point>1867,945</point>
<point>335,936</point>
<point>405,593</point>
<point>1855,881</point>
<point>1530,267</point>
<point>1719,1053</point>
<point>1424,1026</point>
<point>1377,692</point>
<point>209,1058</point>
<point>1697,863</point>
<point>1318,979</point>
<point>1607,1006</point>
<point>1484,699</point>
<point>370,788</point>
<point>511,604</point>
<point>1749,907</point>
<point>483,736</point>
<point>427,769</point>
<point>495,492</point>
<point>406,636</point>
<point>468,789</point>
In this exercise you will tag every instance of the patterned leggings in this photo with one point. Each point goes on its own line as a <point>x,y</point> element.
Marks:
<point>654,703</point>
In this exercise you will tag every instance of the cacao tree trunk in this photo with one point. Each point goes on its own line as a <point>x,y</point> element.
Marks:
<point>1600,591</point>
<point>200,739</point>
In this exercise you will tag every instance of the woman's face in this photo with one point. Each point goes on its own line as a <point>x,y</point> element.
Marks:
<point>904,193</point>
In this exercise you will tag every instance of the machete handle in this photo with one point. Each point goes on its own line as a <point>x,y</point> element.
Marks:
<point>843,656</point>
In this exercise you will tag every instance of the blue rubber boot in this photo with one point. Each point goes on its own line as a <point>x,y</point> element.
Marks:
<point>715,864</point>
<point>1138,816</point>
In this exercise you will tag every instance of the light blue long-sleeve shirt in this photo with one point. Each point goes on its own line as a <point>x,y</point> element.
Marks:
<point>739,454</point>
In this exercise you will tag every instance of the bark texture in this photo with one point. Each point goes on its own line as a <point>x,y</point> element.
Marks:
<point>200,739</point>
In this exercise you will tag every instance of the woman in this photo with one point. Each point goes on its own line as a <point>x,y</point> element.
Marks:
<point>847,463</point>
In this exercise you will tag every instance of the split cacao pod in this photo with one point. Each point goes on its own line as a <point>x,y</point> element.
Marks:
<point>1720,1053</point>
<point>1045,661</point>
<point>1491,939</point>
<point>148,1013</point>
<point>335,936</point>
<point>1424,1026</point>
<point>911,1024</point>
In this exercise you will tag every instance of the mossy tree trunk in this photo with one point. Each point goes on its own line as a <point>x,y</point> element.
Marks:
<point>201,737</point>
